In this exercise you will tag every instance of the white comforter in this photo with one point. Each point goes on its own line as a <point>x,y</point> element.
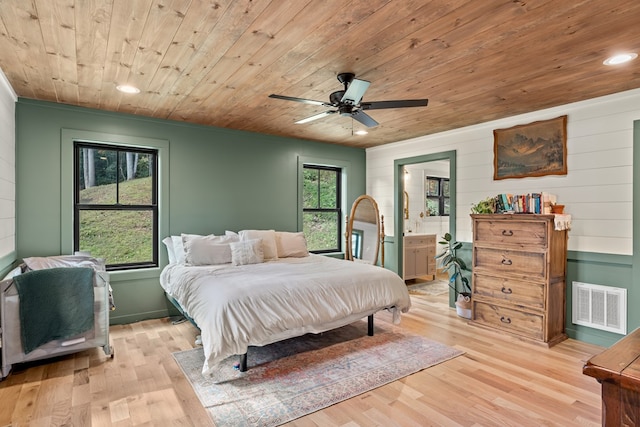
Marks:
<point>257,304</point>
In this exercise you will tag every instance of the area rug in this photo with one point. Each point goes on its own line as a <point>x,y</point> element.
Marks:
<point>434,287</point>
<point>296,377</point>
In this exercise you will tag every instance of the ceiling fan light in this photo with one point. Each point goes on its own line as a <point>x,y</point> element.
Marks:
<point>620,58</point>
<point>127,89</point>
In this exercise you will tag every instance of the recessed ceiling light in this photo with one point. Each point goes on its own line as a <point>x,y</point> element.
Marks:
<point>127,89</point>
<point>620,58</point>
<point>361,132</point>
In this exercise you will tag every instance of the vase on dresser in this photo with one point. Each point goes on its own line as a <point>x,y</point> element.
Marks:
<point>463,305</point>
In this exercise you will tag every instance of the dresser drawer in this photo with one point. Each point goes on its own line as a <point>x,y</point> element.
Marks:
<point>528,293</point>
<point>508,319</point>
<point>527,265</point>
<point>426,240</point>
<point>520,233</point>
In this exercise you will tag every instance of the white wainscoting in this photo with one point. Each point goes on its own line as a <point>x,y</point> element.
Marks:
<point>8,100</point>
<point>597,190</point>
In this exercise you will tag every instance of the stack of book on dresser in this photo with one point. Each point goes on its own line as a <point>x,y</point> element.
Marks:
<point>534,203</point>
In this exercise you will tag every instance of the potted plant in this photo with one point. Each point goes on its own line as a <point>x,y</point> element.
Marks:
<point>484,206</point>
<point>454,266</point>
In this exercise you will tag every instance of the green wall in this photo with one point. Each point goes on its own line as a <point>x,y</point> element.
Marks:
<point>219,180</point>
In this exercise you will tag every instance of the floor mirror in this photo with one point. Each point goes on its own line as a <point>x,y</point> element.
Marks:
<point>364,234</point>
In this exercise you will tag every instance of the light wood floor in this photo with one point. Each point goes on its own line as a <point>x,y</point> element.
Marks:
<point>499,381</point>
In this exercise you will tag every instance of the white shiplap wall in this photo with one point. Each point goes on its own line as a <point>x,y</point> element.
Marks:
<point>597,190</point>
<point>7,167</point>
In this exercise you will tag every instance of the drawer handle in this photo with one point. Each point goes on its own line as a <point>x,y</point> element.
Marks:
<point>506,290</point>
<point>506,261</point>
<point>505,319</point>
<point>507,232</point>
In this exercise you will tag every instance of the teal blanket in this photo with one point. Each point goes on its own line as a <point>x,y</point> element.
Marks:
<point>55,303</point>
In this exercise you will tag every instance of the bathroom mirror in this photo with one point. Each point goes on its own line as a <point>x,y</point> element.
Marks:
<point>365,232</point>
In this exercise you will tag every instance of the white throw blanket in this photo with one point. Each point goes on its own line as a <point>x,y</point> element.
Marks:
<point>258,304</point>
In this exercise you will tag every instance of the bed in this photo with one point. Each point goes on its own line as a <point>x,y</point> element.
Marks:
<point>288,293</point>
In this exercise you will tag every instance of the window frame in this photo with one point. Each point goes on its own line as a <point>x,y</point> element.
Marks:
<point>78,207</point>
<point>67,137</point>
<point>435,191</point>
<point>338,209</point>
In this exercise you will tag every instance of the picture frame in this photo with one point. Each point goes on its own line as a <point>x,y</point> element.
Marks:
<point>531,150</point>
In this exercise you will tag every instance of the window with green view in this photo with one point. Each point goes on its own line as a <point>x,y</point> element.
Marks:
<point>321,210</point>
<point>115,204</point>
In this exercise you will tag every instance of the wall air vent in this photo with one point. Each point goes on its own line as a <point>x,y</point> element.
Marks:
<point>600,307</point>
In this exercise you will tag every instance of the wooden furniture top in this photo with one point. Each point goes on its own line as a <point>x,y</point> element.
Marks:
<point>514,216</point>
<point>619,364</point>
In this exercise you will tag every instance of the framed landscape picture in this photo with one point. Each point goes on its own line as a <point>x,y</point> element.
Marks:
<point>534,149</point>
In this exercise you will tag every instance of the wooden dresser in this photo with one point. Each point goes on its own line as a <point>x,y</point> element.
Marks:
<point>618,370</point>
<point>519,268</point>
<point>419,257</point>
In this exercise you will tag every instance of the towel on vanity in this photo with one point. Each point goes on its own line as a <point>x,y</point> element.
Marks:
<point>55,303</point>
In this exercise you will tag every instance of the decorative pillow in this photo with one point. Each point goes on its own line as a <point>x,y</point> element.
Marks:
<point>207,250</point>
<point>231,233</point>
<point>247,252</point>
<point>168,242</point>
<point>178,246</point>
<point>291,244</point>
<point>269,246</point>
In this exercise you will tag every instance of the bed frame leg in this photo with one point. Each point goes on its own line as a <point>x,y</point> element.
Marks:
<point>243,362</point>
<point>370,325</point>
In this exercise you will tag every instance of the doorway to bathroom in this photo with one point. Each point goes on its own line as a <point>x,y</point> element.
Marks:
<point>425,195</point>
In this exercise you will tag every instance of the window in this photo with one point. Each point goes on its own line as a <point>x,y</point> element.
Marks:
<point>356,243</point>
<point>437,196</point>
<point>115,204</point>
<point>321,210</point>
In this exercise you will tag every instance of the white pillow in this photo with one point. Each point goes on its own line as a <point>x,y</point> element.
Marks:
<point>291,244</point>
<point>247,252</point>
<point>231,233</point>
<point>178,247</point>
<point>207,250</point>
<point>168,242</point>
<point>269,247</point>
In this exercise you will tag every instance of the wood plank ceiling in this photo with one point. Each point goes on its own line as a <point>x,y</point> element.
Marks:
<point>216,62</point>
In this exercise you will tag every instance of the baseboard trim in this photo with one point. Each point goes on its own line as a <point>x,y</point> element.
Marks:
<point>137,317</point>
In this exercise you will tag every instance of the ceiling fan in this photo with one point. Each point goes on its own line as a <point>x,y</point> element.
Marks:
<point>348,102</point>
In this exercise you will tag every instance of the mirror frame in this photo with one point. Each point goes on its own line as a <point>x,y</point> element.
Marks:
<point>379,230</point>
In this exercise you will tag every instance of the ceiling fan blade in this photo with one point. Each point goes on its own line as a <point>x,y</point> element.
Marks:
<point>364,118</point>
<point>316,117</point>
<point>303,100</point>
<point>355,91</point>
<point>379,105</point>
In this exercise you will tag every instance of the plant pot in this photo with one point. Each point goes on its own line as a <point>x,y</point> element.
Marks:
<point>557,209</point>
<point>463,306</point>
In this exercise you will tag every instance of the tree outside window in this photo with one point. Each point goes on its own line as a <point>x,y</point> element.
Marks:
<point>115,204</point>
<point>321,210</point>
